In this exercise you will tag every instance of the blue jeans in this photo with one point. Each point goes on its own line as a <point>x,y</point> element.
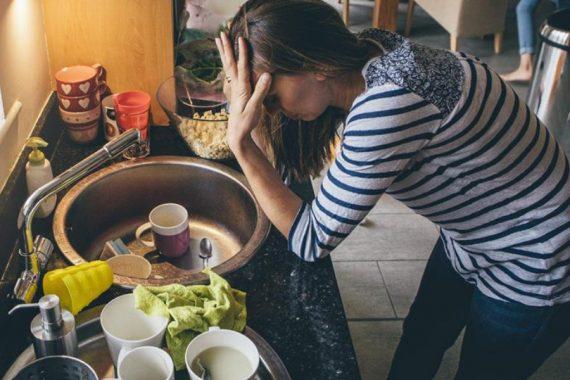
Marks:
<point>525,24</point>
<point>502,340</point>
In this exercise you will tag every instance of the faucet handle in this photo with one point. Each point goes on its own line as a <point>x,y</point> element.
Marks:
<point>26,285</point>
<point>43,248</point>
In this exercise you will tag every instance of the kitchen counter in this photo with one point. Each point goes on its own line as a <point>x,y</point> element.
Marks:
<point>294,305</point>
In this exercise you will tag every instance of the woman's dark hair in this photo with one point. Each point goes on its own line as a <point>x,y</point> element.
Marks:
<point>290,37</point>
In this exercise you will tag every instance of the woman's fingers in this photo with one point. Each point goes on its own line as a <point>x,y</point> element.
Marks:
<point>228,59</point>
<point>221,51</point>
<point>259,93</point>
<point>243,86</point>
<point>239,74</point>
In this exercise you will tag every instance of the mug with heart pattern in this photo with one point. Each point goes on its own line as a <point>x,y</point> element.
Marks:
<point>80,117</point>
<point>76,81</point>
<point>82,127</point>
<point>79,103</point>
<point>84,133</point>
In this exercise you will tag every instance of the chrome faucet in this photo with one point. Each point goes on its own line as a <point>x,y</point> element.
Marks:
<point>36,253</point>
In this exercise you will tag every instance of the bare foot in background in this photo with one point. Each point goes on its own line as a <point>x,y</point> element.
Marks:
<point>519,75</point>
<point>523,73</point>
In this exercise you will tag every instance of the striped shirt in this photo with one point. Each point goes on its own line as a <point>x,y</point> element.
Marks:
<point>442,133</point>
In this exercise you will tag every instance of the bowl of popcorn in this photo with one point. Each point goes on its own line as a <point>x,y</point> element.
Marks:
<point>200,118</point>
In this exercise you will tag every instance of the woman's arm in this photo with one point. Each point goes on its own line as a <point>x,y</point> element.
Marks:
<point>275,198</point>
<point>279,203</point>
<point>386,128</point>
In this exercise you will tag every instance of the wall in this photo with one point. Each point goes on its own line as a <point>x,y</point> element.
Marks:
<point>132,39</point>
<point>24,74</point>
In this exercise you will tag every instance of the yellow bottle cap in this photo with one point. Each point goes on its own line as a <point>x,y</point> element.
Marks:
<point>36,157</point>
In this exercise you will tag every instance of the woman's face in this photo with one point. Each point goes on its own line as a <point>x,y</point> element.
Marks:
<point>299,96</point>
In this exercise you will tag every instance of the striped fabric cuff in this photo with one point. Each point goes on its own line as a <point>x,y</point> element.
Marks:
<point>292,232</point>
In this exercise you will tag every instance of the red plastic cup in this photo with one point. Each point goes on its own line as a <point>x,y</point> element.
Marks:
<point>132,101</point>
<point>132,109</point>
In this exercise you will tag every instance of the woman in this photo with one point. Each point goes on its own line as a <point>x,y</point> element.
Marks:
<point>525,26</point>
<point>440,132</point>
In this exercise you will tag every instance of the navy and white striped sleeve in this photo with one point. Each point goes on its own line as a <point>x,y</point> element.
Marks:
<point>386,127</point>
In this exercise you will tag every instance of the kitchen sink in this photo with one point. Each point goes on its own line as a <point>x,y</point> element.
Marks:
<point>111,203</point>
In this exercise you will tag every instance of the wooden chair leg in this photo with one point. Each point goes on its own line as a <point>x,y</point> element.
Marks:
<point>453,42</point>
<point>385,14</point>
<point>346,12</point>
<point>409,16</point>
<point>498,42</point>
<point>376,14</point>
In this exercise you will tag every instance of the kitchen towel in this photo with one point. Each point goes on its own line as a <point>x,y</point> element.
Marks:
<point>192,309</point>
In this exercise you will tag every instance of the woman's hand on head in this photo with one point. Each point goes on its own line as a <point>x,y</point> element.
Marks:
<point>245,103</point>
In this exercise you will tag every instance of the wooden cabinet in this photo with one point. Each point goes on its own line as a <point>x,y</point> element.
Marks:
<point>132,39</point>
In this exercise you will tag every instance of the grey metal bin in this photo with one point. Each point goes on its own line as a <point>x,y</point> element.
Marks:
<point>549,95</point>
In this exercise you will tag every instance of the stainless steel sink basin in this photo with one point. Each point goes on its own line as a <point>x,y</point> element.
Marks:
<point>113,202</point>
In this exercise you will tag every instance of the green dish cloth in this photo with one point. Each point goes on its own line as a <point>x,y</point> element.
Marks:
<point>192,309</point>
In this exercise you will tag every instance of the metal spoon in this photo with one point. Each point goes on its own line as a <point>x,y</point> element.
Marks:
<point>205,249</point>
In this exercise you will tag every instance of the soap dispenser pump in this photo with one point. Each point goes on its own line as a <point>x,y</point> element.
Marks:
<point>53,329</point>
<point>38,173</point>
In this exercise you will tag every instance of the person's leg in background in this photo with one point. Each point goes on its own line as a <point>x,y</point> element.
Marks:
<point>525,27</point>
<point>436,318</point>
<point>510,341</point>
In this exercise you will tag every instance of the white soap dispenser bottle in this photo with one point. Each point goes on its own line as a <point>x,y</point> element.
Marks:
<point>38,173</point>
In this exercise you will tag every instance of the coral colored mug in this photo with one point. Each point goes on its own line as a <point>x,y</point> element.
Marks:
<point>132,111</point>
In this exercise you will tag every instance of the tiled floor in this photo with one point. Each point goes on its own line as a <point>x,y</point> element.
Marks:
<point>379,266</point>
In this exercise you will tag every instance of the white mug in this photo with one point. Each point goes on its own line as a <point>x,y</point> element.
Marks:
<point>125,327</point>
<point>145,363</point>
<point>109,119</point>
<point>216,337</point>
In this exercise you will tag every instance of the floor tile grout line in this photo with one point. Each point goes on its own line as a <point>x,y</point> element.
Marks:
<point>387,290</point>
<point>383,283</point>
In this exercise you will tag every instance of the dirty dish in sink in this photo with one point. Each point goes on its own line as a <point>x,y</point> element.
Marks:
<point>226,354</point>
<point>76,286</point>
<point>170,231</point>
<point>126,327</point>
<point>221,207</point>
<point>145,363</point>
